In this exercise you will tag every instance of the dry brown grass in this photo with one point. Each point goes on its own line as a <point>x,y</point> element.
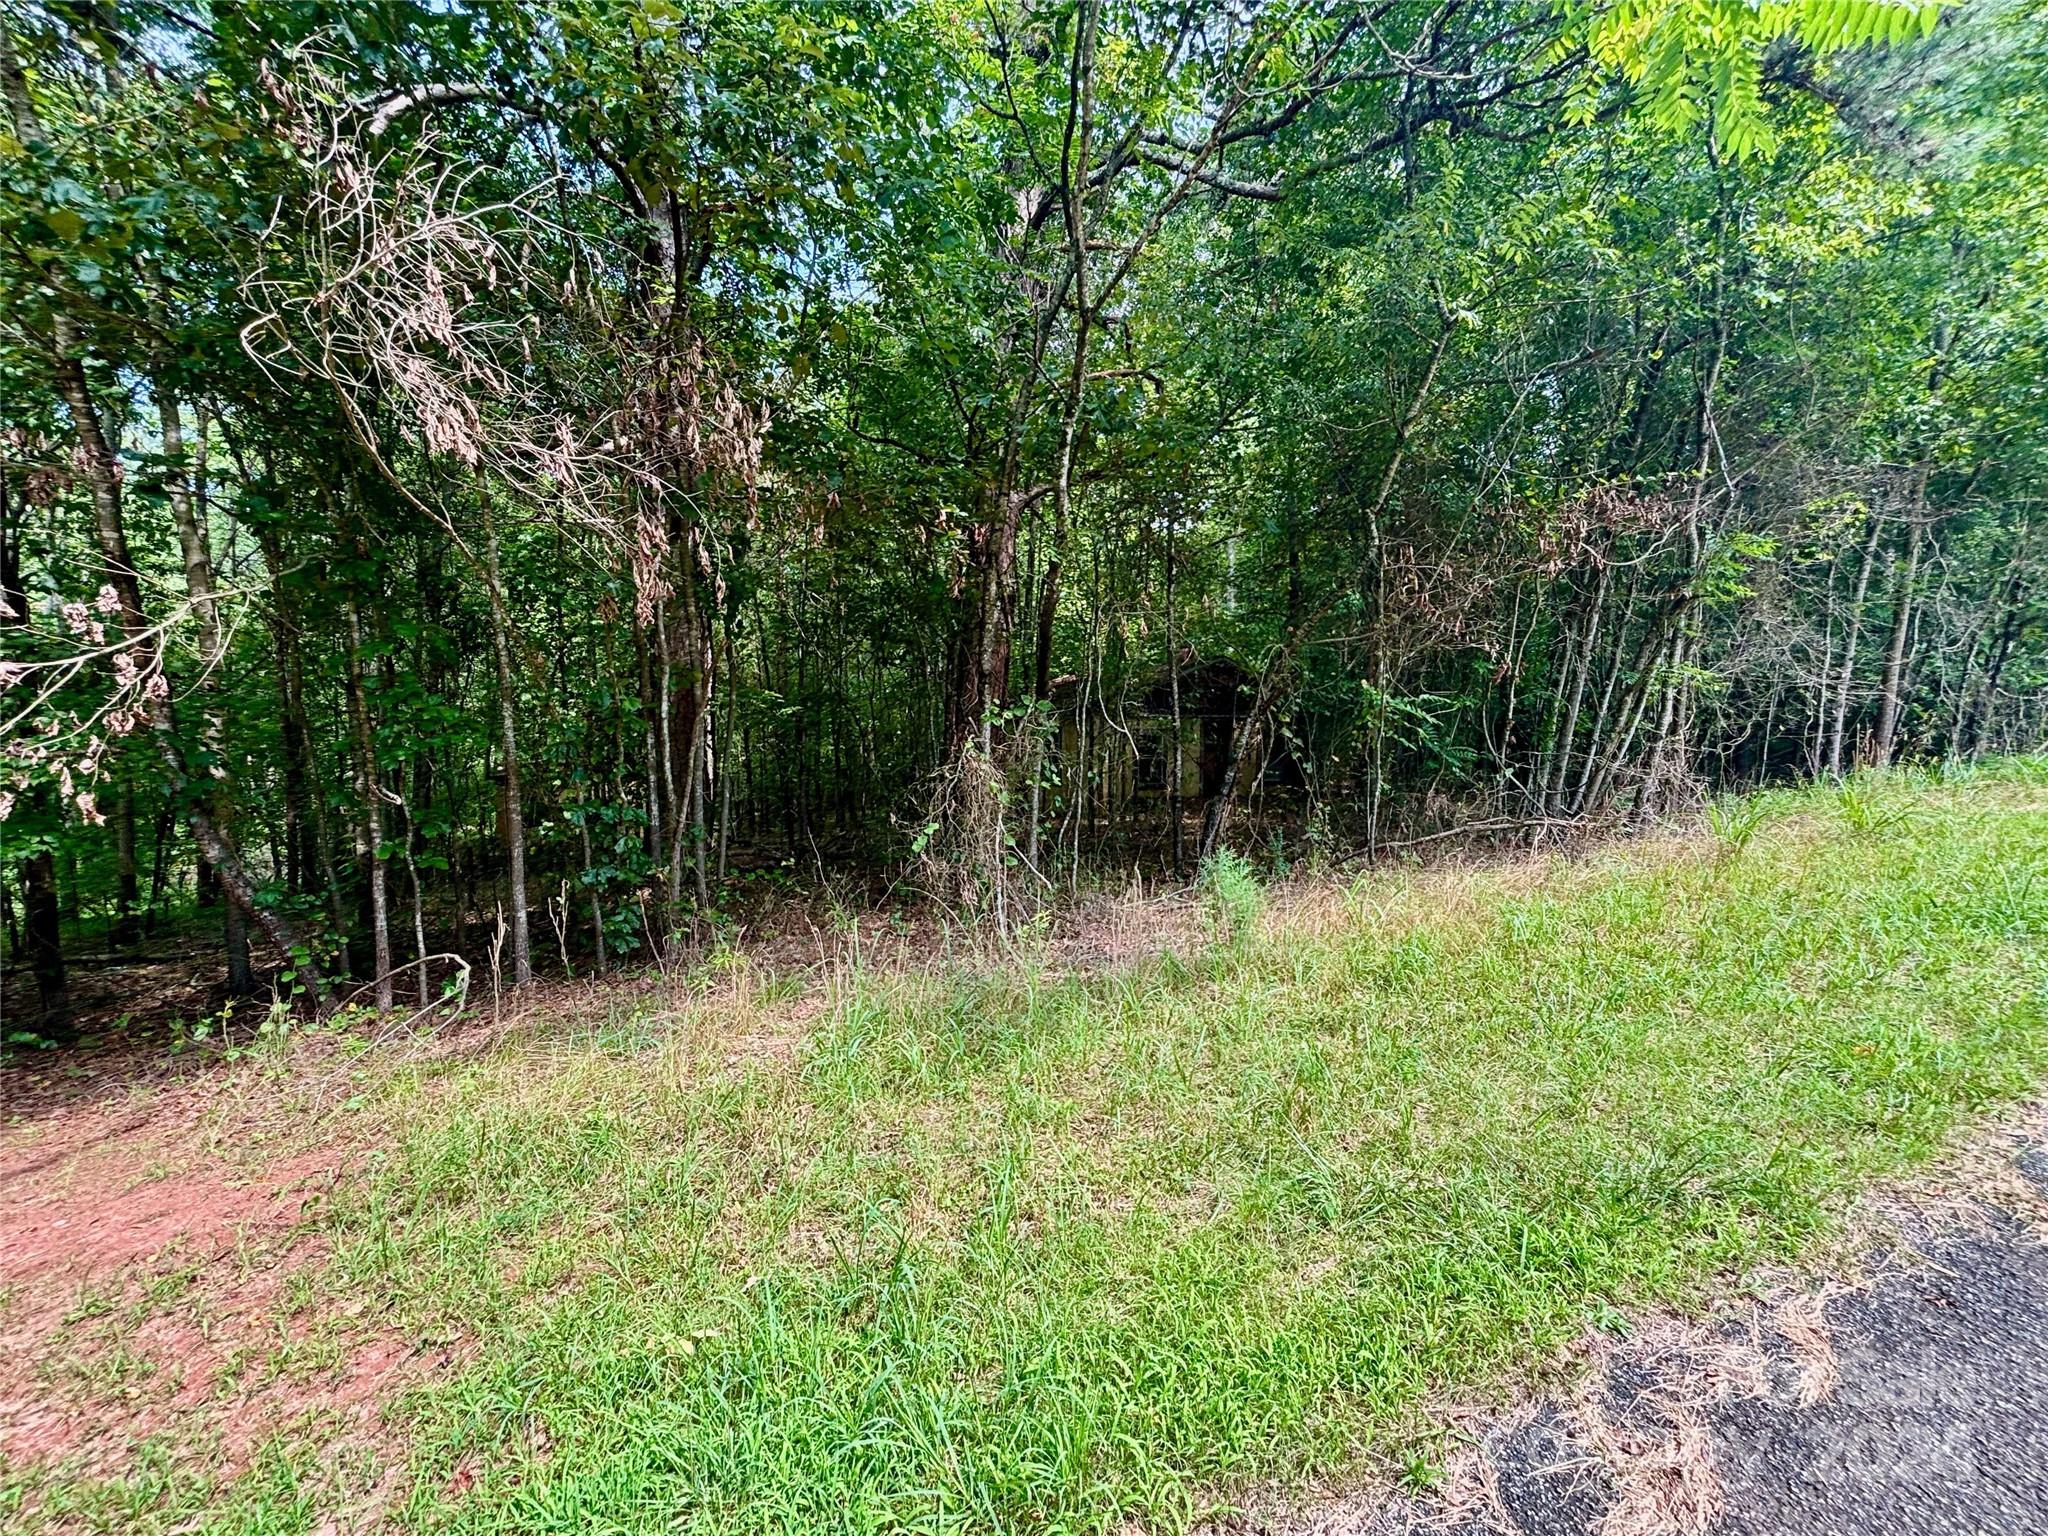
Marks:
<point>1801,1321</point>
<point>1655,1448</point>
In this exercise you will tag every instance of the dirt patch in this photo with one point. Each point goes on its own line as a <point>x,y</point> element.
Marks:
<point>149,1286</point>
<point>49,1234</point>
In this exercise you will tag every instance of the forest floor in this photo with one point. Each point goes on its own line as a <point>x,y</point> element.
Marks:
<point>1251,1213</point>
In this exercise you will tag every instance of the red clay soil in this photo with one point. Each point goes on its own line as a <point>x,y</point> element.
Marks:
<point>143,1274</point>
<point>142,1285</point>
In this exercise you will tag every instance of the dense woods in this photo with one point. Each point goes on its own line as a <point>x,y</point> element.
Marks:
<point>504,480</point>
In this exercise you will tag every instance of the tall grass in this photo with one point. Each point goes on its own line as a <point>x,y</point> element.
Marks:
<point>1010,1250</point>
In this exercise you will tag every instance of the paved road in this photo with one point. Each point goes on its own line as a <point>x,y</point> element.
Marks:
<point>1940,1423</point>
<point>1937,1426</point>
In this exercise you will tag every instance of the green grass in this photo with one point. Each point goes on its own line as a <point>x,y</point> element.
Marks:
<point>1006,1250</point>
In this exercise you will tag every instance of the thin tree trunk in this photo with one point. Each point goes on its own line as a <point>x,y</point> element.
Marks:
<point>1076,155</point>
<point>674,805</point>
<point>1895,649</point>
<point>127,922</point>
<point>700,793</point>
<point>1656,636</point>
<point>103,474</point>
<point>188,513</point>
<point>590,884</point>
<point>2012,609</point>
<point>698,763</point>
<point>1175,808</point>
<point>159,868</point>
<point>298,871</point>
<point>1633,714</point>
<point>42,931</point>
<point>726,772</point>
<point>1670,755</point>
<point>644,641</point>
<point>725,742</point>
<point>1838,726</point>
<point>371,794</point>
<point>1581,672</point>
<point>508,734</point>
<point>1596,737</point>
<point>419,905</point>
<point>319,835</point>
<point>43,936</point>
<point>1763,767</point>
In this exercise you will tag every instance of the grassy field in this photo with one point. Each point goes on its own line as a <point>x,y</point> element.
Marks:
<point>1001,1248</point>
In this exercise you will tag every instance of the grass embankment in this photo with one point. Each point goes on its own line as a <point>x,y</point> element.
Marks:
<point>1017,1251</point>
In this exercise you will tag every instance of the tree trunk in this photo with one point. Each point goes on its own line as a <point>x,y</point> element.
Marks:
<point>726,770</point>
<point>298,870</point>
<point>42,933</point>
<point>13,594</point>
<point>103,474</point>
<point>127,924</point>
<point>1670,763</point>
<point>1838,726</point>
<point>187,513</point>
<point>302,762</point>
<point>419,903</point>
<point>508,731</point>
<point>1582,670</point>
<point>696,765</point>
<point>673,801</point>
<point>1175,810</point>
<point>1594,792</point>
<point>158,869</point>
<point>1597,734</point>
<point>590,885</point>
<point>2012,608</point>
<point>981,670</point>
<point>644,641</point>
<point>1895,651</point>
<point>370,792</point>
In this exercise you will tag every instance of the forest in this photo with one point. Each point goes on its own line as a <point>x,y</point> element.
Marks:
<point>511,485</point>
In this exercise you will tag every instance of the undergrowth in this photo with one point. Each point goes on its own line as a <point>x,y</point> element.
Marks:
<point>1007,1249</point>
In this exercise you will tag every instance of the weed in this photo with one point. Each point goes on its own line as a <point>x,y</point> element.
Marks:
<point>1235,896</point>
<point>1734,822</point>
<point>1862,806</point>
